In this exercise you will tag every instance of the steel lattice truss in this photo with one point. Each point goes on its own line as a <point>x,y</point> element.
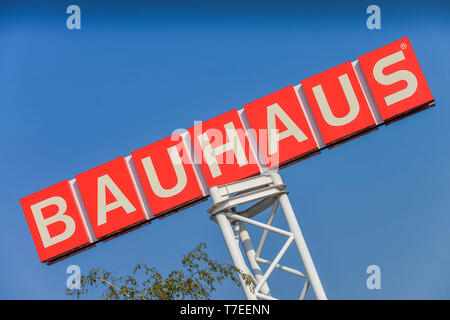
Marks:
<point>267,191</point>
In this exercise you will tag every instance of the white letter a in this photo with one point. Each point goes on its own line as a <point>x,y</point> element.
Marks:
<point>121,200</point>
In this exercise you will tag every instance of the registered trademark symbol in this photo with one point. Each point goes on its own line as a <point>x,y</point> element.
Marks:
<point>403,46</point>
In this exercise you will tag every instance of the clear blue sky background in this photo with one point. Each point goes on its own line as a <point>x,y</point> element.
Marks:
<point>72,100</point>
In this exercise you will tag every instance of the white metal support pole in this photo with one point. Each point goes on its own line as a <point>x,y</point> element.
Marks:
<point>244,236</point>
<point>300,241</point>
<point>233,248</point>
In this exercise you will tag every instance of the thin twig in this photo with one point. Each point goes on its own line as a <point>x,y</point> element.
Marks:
<point>114,286</point>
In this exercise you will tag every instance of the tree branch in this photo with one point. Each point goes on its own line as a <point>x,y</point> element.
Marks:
<point>114,286</point>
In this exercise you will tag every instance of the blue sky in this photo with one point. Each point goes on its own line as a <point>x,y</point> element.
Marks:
<point>72,100</point>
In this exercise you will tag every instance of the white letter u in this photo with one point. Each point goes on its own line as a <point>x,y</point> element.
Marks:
<point>153,178</point>
<point>351,99</point>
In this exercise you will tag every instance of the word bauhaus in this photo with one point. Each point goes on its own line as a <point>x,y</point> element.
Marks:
<point>272,132</point>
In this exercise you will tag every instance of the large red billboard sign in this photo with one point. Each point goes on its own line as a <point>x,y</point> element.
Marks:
<point>272,132</point>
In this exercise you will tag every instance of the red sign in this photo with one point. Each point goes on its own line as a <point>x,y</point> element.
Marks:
<point>396,79</point>
<point>283,127</point>
<point>338,103</point>
<point>55,221</point>
<point>167,174</point>
<point>111,197</point>
<point>223,149</point>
